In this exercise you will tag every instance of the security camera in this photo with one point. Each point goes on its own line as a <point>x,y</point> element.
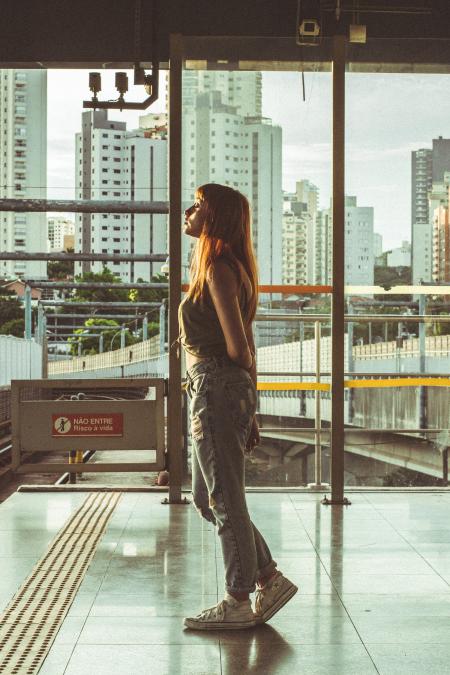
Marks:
<point>308,22</point>
<point>309,27</point>
<point>95,82</point>
<point>122,83</point>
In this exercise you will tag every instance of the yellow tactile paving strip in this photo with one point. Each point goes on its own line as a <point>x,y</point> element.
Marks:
<point>31,621</point>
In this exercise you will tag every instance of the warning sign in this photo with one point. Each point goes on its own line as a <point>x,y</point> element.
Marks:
<point>87,424</point>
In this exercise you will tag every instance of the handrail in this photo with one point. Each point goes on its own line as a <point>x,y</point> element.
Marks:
<point>354,318</point>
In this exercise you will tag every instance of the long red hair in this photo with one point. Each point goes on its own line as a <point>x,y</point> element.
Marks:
<point>226,233</point>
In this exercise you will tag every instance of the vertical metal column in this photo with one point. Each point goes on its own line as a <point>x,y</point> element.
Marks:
<point>423,391</point>
<point>40,323</point>
<point>174,425</point>
<point>350,365</point>
<point>162,327</point>
<point>27,313</point>
<point>338,297</point>
<point>318,417</point>
<point>145,328</point>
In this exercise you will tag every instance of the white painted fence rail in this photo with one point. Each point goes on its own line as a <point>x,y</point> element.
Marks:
<point>19,359</point>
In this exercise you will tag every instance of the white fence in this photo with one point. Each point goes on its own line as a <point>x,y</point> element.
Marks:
<point>137,360</point>
<point>19,359</point>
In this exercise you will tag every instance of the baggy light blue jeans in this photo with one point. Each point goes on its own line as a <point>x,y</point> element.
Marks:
<point>222,407</point>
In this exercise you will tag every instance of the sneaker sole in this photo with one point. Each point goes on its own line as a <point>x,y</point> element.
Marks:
<point>282,600</point>
<point>219,625</point>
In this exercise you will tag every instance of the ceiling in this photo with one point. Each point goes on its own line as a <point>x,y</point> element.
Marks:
<point>107,33</point>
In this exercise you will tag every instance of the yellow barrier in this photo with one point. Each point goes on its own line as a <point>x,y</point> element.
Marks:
<point>289,386</point>
<point>400,382</point>
<point>357,384</point>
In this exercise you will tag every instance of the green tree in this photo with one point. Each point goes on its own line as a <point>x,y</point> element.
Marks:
<point>14,327</point>
<point>150,294</point>
<point>61,269</point>
<point>111,336</point>
<point>10,308</point>
<point>100,294</point>
<point>106,295</point>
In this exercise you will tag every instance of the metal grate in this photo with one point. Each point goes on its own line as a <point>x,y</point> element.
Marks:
<point>32,619</point>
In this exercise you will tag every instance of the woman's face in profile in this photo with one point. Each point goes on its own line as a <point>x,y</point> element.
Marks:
<point>194,219</point>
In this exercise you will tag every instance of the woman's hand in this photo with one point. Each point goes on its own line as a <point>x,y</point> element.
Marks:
<point>254,437</point>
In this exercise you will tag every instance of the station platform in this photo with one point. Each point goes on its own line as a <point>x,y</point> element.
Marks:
<point>374,582</point>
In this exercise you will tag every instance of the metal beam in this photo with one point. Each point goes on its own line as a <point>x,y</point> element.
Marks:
<point>92,285</point>
<point>105,327</point>
<point>95,316</point>
<point>77,335</point>
<point>355,318</point>
<point>83,206</point>
<point>105,304</point>
<point>93,257</point>
<point>174,403</point>
<point>337,440</point>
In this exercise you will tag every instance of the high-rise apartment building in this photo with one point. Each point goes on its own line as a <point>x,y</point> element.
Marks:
<point>115,164</point>
<point>439,208</point>
<point>240,89</point>
<point>377,245</point>
<point>308,194</point>
<point>294,246</point>
<point>299,238</point>
<point>60,233</point>
<point>323,246</point>
<point>23,172</point>
<point>427,168</point>
<point>400,256</point>
<point>225,140</point>
<point>359,258</point>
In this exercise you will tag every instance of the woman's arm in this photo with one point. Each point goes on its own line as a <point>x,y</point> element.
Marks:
<point>251,344</point>
<point>223,288</point>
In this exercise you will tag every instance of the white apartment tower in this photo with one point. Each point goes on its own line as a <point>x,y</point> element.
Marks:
<point>428,167</point>
<point>421,183</point>
<point>60,230</point>
<point>301,240</point>
<point>115,164</point>
<point>294,246</point>
<point>225,140</point>
<point>23,148</point>
<point>308,194</point>
<point>359,258</point>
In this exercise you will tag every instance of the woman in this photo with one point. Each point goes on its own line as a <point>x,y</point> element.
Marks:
<point>216,332</point>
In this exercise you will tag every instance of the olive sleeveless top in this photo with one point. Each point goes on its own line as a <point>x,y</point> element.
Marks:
<point>200,331</point>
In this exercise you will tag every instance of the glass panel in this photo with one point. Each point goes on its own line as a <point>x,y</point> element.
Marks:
<point>253,131</point>
<point>397,236</point>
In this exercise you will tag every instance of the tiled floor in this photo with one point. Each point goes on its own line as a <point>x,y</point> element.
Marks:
<point>374,581</point>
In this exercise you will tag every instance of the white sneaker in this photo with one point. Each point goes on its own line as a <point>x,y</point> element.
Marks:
<point>273,596</point>
<point>226,615</point>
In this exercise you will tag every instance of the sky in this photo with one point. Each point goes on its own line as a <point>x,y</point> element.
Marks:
<point>387,116</point>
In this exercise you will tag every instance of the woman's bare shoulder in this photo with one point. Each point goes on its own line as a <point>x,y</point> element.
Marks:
<point>220,273</point>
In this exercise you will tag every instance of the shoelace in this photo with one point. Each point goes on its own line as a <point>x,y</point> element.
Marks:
<point>259,600</point>
<point>260,594</point>
<point>218,611</point>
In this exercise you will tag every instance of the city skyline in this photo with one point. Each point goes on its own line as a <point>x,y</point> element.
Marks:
<point>378,167</point>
